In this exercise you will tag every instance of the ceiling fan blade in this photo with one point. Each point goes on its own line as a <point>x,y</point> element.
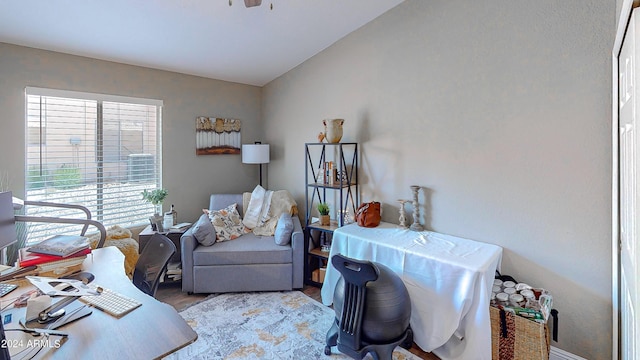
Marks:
<point>251,3</point>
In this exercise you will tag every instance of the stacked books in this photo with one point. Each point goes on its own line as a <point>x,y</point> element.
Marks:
<point>174,271</point>
<point>57,256</point>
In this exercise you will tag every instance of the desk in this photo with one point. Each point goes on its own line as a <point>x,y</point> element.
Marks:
<point>153,330</point>
<point>449,280</point>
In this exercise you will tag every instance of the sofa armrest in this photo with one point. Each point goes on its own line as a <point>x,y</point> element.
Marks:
<point>297,247</point>
<point>188,243</point>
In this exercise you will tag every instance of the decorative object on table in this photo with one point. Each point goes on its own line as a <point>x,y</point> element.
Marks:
<point>174,214</point>
<point>157,222</point>
<point>342,177</point>
<point>332,130</point>
<point>345,215</point>
<point>416,210</point>
<point>403,217</point>
<point>256,153</point>
<point>155,197</point>
<point>372,308</point>
<point>170,218</point>
<point>215,136</point>
<point>278,325</point>
<point>167,220</point>
<point>368,214</point>
<point>323,209</point>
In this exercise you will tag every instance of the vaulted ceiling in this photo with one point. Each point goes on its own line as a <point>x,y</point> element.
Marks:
<point>220,39</point>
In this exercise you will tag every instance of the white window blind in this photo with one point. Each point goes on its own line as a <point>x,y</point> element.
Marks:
<point>99,151</point>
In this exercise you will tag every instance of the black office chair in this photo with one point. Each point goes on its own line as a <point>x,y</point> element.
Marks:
<point>372,309</point>
<point>152,263</point>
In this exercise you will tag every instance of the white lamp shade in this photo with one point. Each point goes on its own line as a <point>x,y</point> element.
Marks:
<point>255,153</point>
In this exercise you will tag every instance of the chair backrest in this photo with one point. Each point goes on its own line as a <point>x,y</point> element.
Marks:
<point>8,233</point>
<point>152,263</point>
<point>356,275</point>
<point>221,201</point>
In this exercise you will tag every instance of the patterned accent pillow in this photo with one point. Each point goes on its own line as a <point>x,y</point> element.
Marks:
<point>227,223</point>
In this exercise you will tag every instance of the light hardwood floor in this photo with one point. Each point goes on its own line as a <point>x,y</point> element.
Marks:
<point>173,295</point>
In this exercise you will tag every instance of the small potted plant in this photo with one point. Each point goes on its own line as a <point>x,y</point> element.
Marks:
<point>323,209</point>
<point>156,197</point>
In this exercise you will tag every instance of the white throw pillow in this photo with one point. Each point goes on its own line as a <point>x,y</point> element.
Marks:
<point>257,212</point>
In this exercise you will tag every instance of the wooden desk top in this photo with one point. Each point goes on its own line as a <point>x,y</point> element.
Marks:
<point>151,331</point>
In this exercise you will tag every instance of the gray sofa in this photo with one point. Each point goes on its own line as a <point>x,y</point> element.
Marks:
<point>248,263</point>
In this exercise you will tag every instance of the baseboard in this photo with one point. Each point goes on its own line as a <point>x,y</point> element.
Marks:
<point>558,354</point>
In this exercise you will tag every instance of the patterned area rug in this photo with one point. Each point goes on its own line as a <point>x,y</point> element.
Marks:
<point>269,325</point>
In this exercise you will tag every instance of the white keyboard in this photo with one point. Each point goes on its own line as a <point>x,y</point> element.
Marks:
<point>111,302</point>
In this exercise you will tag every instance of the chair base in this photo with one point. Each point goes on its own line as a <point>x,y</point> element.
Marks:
<point>377,351</point>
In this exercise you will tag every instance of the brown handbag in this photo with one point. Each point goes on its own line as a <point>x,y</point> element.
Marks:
<point>368,214</point>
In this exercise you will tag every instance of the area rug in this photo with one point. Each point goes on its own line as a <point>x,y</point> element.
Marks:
<point>267,325</point>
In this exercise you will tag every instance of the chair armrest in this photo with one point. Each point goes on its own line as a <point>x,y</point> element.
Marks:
<point>56,220</point>
<point>297,247</point>
<point>188,243</point>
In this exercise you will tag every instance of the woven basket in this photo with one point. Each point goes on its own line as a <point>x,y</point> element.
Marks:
<point>525,339</point>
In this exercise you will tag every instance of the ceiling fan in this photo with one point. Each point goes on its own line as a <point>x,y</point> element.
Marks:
<point>252,3</point>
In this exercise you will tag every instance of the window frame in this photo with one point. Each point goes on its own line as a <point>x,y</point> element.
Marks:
<point>99,99</point>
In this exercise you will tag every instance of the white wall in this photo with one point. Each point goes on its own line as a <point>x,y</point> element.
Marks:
<point>501,111</point>
<point>188,178</point>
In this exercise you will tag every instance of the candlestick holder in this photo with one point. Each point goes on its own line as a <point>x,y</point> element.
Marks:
<point>403,218</point>
<point>416,210</point>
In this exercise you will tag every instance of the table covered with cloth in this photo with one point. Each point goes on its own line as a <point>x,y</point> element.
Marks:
<point>449,280</point>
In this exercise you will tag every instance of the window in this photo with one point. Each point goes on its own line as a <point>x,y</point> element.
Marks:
<point>101,151</point>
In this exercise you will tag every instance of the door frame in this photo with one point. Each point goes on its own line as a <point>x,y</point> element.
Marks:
<point>625,15</point>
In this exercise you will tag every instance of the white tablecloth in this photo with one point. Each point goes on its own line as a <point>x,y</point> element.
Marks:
<point>449,280</point>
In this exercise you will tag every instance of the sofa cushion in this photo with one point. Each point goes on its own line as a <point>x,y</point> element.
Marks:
<point>227,223</point>
<point>284,229</point>
<point>204,231</point>
<point>247,249</point>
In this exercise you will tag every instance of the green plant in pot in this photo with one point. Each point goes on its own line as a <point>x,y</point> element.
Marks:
<point>156,197</point>
<point>323,209</point>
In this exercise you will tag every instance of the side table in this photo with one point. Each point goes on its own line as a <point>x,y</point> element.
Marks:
<point>175,263</point>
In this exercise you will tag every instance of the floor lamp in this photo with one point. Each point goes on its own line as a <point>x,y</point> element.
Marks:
<point>257,153</point>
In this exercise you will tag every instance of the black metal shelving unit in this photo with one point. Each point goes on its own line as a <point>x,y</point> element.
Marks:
<point>343,190</point>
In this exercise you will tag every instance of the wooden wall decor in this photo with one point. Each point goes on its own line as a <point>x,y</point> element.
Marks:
<point>216,136</point>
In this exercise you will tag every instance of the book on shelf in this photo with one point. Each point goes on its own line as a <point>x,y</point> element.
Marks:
<point>174,271</point>
<point>61,245</point>
<point>27,258</point>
